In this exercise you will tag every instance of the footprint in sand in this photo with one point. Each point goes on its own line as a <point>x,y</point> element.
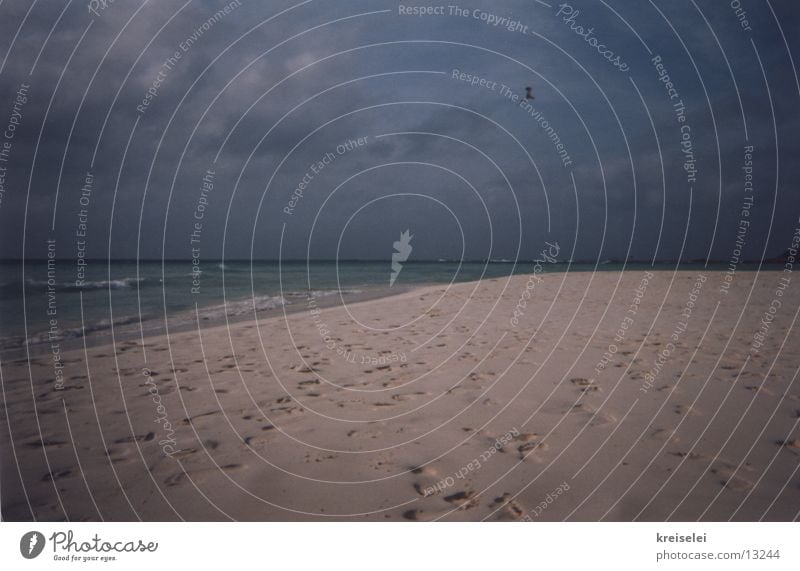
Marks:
<point>140,438</point>
<point>425,478</point>
<point>593,416</point>
<point>665,435</point>
<point>692,455</point>
<point>119,454</point>
<point>511,509</point>
<point>184,453</point>
<point>730,478</point>
<point>403,397</point>
<point>527,443</point>
<point>369,434</point>
<point>729,474</point>
<point>163,391</point>
<point>56,475</point>
<point>422,515</point>
<point>199,476</point>
<point>794,443</point>
<point>47,443</point>
<point>196,417</point>
<point>46,411</point>
<point>288,410</point>
<point>684,409</point>
<point>175,479</point>
<point>585,385</point>
<point>318,457</point>
<point>464,500</point>
<point>759,389</point>
<point>303,369</point>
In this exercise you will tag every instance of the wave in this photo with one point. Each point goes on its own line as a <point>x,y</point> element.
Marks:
<point>63,334</point>
<point>237,268</point>
<point>237,308</point>
<point>42,285</point>
<point>264,303</point>
<point>242,307</point>
<point>318,293</point>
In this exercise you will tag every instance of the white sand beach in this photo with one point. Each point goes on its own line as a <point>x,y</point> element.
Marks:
<point>607,396</point>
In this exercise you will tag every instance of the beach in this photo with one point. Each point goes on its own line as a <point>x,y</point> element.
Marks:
<point>635,395</point>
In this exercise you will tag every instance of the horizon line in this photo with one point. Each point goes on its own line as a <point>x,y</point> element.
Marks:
<point>605,261</point>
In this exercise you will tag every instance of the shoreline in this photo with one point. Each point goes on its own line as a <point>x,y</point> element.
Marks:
<point>445,411</point>
<point>130,327</point>
<point>154,327</point>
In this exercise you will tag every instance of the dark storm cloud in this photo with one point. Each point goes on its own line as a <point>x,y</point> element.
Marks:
<point>233,93</point>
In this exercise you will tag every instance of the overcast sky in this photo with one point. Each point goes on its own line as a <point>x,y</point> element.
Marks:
<point>269,89</point>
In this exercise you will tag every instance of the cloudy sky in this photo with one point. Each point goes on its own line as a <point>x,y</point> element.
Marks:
<point>258,96</point>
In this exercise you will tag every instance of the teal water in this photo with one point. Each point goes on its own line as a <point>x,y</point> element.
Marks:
<point>127,292</point>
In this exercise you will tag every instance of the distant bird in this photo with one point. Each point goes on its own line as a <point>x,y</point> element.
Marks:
<point>529,93</point>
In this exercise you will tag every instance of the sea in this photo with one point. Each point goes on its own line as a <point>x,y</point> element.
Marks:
<point>41,304</point>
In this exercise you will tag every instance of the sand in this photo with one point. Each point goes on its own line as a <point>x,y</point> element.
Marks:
<point>577,396</point>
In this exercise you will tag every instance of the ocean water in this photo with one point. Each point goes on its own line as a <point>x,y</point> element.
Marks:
<point>142,296</point>
<point>124,293</point>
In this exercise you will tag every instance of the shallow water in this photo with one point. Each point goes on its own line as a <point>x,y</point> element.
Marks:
<point>42,304</point>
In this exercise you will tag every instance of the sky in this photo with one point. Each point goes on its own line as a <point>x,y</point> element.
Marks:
<point>324,129</point>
